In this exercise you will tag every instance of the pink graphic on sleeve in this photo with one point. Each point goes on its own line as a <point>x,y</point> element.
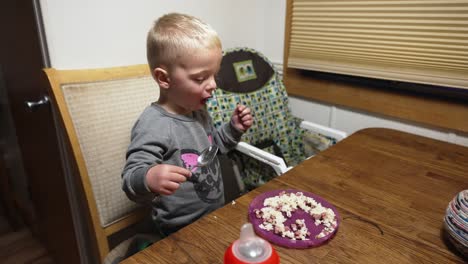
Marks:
<point>190,160</point>
<point>210,139</point>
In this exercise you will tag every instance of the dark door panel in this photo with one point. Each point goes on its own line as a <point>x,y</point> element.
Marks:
<point>22,65</point>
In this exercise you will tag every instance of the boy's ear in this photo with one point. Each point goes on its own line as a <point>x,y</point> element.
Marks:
<point>161,77</point>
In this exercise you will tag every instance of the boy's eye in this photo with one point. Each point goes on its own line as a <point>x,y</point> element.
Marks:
<point>200,80</point>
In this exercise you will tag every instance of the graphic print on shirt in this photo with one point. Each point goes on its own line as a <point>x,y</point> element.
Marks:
<point>206,180</point>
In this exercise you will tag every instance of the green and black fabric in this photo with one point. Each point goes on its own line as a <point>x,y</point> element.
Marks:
<point>247,77</point>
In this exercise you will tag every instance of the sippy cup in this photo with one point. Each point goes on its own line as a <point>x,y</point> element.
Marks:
<point>250,249</point>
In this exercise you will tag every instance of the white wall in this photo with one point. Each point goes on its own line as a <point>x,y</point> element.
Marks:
<point>106,33</point>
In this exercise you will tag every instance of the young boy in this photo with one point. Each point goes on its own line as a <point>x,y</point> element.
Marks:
<point>184,55</point>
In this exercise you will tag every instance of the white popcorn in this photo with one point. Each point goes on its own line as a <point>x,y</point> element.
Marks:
<point>275,207</point>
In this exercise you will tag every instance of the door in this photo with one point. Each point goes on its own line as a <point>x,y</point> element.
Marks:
<point>22,63</point>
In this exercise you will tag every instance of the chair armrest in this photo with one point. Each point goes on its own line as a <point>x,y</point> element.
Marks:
<point>275,162</point>
<point>326,131</point>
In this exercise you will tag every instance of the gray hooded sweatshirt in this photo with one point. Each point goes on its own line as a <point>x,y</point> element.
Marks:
<point>159,137</point>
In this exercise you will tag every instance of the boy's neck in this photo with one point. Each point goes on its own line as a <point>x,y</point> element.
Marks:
<point>170,108</point>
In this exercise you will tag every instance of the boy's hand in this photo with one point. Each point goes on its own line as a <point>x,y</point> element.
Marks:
<point>242,118</point>
<point>165,179</point>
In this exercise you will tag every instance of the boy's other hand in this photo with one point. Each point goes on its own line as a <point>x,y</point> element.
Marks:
<point>242,118</point>
<point>165,179</point>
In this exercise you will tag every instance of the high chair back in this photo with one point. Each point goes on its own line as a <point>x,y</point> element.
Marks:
<point>277,140</point>
<point>97,109</point>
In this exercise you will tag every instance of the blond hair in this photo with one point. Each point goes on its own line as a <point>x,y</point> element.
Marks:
<point>174,35</point>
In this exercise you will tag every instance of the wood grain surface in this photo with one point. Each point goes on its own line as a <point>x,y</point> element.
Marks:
<point>391,190</point>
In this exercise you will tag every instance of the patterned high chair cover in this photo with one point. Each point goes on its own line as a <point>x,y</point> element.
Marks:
<point>248,77</point>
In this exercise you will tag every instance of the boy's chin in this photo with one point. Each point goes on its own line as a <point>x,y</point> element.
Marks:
<point>198,107</point>
<point>203,107</point>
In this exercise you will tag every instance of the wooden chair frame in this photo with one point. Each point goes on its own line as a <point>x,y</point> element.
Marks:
<point>57,78</point>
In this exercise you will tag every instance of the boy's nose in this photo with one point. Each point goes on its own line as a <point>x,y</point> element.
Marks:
<point>212,84</point>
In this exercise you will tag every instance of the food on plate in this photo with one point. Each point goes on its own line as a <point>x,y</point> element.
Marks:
<point>278,209</point>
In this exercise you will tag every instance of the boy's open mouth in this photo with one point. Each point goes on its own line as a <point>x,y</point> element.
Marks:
<point>204,100</point>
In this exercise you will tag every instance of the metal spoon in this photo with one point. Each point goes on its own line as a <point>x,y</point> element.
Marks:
<point>207,156</point>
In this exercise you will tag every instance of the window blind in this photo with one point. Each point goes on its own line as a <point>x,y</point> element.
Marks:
<point>422,41</point>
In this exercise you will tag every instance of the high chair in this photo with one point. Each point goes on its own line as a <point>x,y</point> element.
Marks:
<point>277,140</point>
<point>97,109</point>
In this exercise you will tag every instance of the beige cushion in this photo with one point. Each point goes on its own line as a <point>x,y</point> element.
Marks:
<point>103,114</point>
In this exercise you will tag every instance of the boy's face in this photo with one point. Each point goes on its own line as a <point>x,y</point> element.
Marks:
<point>192,80</point>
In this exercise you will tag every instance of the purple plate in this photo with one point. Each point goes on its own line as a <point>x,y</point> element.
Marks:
<point>257,203</point>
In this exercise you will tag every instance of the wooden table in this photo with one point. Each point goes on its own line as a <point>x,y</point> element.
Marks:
<point>391,190</point>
